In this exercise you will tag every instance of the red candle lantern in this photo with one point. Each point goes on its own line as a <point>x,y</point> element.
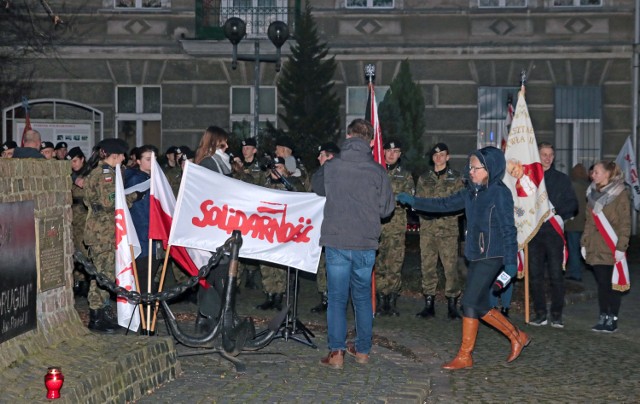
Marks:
<point>53,381</point>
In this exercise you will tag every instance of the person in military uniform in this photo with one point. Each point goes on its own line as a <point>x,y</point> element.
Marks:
<point>46,149</point>
<point>99,231</point>
<point>439,234</point>
<point>61,150</point>
<point>79,211</point>
<point>326,152</point>
<point>391,251</point>
<point>274,278</point>
<point>172,169</point>
<point>7,149</point>
<point>284,149</point>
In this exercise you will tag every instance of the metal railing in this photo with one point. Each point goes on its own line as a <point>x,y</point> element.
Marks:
<point>210,18</point>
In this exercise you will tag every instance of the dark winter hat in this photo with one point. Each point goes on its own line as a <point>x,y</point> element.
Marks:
<point>329,147</point>
<point>250,141</point>
<point>393,144</point>
<point>285,141</point>
<point>61,145</point>
<point>75,152</point>
<point>46,145</point>
<point>8,145</point>
<point>114,146</point>
<point>440,147</point>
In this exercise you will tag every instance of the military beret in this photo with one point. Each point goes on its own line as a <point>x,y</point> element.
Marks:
<point>329,147</point>
<point>393,144</point>
<point>278,160</point>
<point>61,145</point>
<point>285,141</point>
<point>46,145</point>
<point>170,150</point>
<point>440,147</point>
<point>75,152</point>
<point>250,141</point>
<point>8,145</point>
<point>114,146</point>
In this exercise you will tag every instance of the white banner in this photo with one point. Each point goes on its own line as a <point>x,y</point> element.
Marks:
<point>277,226</point>
<point>627,161</point>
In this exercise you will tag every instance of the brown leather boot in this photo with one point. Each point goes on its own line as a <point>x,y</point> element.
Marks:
<point>469,333</point>
<point>335,360</point>
<point>518,338</point>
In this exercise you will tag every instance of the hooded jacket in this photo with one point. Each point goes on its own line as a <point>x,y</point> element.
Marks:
<point>359,195</point>
<point>491,230</point>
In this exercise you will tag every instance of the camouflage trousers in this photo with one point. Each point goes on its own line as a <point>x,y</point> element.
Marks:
<point>389,262</point>
<point>433,246</point>
<point>105,263</point>
<point>274,278</point>
<point>321,275</point>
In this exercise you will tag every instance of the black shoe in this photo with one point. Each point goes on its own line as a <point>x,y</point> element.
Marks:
<point>147,332</point>
<point>393,297</point>
<point>97,322</point>
<point>111,316</point>
<point>379,308</point>
<point>452,306</point>
<point>386,305</point>
<point>600,327</point>
<point>204,324</point>
<point>429,309</point>
<point>268,304</point>
<point>324,303</point>
<point>540,319</point>
<point>611,325</point>
<point>277,301</point>
<point>504,311</point>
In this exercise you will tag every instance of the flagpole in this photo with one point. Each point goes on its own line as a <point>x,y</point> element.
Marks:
<point>162,276</point>
<point>526,283</point>
<point>149,282</point>
<point>135,277</point>
<point>370,73</point>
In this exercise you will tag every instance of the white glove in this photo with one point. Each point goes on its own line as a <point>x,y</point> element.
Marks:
<point>620,255</point>
<point>583,251</point>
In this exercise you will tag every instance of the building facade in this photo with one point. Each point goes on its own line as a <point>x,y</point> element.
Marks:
<point>160,70</point>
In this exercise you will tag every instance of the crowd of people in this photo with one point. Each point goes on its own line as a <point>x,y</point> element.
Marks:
<point>365,221</point>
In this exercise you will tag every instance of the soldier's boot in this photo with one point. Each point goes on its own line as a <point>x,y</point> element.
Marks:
<point>269,303</point>
<point>98,323</point>
<point>386,305</point>
<point>379,308</point>
<point>519,339</point>
<point>204,324</point>
<point>251,283</point>
<point>393,297</point>
<point>469,333</point>
<point>110,315</point>
<point>429,309</point>
<point>452,303</point>
<point>324,303</point>
<point>277,301</point>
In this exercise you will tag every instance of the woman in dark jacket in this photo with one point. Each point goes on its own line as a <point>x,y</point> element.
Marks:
<point>491,245</point>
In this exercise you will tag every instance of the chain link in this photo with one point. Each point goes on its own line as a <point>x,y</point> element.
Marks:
<point>135,297</point>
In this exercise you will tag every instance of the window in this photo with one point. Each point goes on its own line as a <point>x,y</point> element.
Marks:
<point>139,114</point>
<point>493,109</point>
<point>577,3</point>
<point>257,14</point>
<point>140,4</point>
<point>578,115</point>
<point>243,107</point>
<point>357,101</point>
<point>369,3</point>
<point>501,3</point>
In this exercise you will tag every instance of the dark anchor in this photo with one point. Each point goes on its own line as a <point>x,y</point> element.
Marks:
<point>230,335</point>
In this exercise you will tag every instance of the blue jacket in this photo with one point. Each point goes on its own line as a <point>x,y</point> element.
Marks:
<point>139,209</point>
<point>491,230</point>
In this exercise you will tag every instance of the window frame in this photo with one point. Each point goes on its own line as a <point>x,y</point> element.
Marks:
<point>249,117</point>
<point>370,5</point>
<point>381,91</point>
<point>502,4</point>
<point>495,122</point>
<point>139,5</point>
<point>576,3</point>
<point>139,116</point>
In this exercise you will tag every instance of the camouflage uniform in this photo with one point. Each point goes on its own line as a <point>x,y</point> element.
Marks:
<point>253,174</point>
<point>174,176</point>
<point>99,231</point>
<point>439,233</point>
<point>391,251</point>
<point>79,217</point>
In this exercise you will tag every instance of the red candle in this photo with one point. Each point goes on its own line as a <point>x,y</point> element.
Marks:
<point>53,381</point>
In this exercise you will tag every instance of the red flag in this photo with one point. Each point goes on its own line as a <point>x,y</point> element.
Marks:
<point>27,120</point>
<point>378,150</point>
<point>161,207</point>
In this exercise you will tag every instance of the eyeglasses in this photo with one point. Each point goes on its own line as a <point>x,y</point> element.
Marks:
<point>472,168</point>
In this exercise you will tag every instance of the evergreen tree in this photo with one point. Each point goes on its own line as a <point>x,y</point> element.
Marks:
<point>402,117</point>
<point>311,106</point>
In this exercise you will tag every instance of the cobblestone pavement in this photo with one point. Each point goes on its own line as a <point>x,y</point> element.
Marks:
<point>572,364</point>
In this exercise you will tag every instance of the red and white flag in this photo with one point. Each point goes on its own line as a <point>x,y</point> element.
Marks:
<point>378,149</point>
<point>530,199</point>
<point>128,316</point>
<point>277,226</point>
<point>627,161</point>
<point>161,209</point>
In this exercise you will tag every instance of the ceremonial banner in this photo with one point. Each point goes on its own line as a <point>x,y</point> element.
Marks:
<point>378,149</point>
<point>277,226</point>
<point>627,161</point>
<point>525,176</point>
<point>125,236</point>
<point>161,207</point>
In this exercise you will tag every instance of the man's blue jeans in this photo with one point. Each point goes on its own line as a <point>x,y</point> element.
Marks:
<point>349,270</point>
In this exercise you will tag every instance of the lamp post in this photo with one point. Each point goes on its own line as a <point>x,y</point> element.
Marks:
<point>235,30</point>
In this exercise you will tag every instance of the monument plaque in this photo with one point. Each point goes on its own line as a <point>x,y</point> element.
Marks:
<point>18,273</point>
<point>51,253</point>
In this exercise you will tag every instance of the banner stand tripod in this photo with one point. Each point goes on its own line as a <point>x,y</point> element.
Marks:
<point>292,327</point>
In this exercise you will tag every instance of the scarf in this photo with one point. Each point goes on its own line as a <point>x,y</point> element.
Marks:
<point>222,161</point>
<point>597,200</point>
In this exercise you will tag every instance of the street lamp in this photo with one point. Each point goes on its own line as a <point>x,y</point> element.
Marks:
<point>235,29</point>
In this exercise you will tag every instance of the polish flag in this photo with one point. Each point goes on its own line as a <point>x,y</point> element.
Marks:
<point>378,150</point>
<point>161,207</point>
<point>128,316</point>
